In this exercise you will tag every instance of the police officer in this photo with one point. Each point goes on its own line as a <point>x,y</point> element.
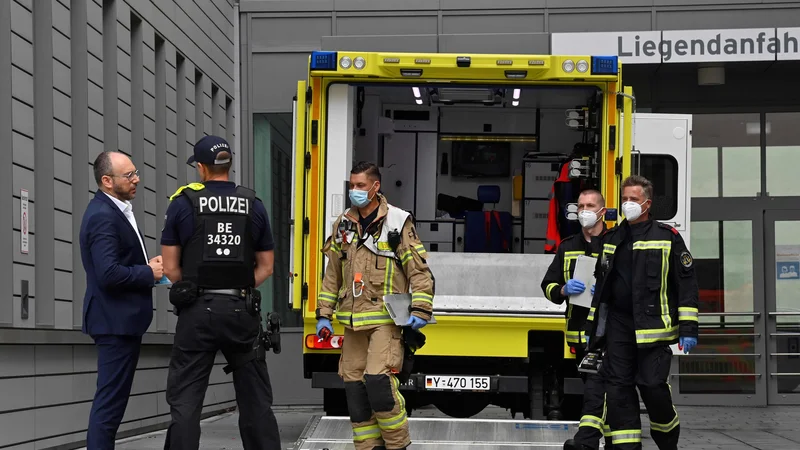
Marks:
<point>645,300</point>
<point>558,285</point>
<point>217,246</point>
<point>374,250</point>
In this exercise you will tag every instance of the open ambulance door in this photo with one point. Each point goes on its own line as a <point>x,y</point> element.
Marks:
<point>661,153</point>
<point>299,109</point>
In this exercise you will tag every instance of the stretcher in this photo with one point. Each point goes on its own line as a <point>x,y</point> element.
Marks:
<point>335,433</point>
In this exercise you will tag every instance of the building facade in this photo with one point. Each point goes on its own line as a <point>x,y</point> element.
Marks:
<point>731,64</point>
<point>147,78</point>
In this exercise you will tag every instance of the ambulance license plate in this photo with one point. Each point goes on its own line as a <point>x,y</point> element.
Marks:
<point>456,383</point>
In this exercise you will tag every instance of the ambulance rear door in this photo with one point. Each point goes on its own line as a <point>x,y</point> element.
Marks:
<point>299,109</point>
<point>661,153</point>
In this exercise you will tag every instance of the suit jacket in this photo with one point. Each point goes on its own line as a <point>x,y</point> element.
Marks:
<point>119,283</point>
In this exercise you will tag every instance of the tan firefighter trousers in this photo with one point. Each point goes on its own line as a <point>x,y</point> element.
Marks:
<point>377,410</point>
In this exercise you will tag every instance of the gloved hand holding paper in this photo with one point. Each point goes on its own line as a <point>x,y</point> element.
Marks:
<point>584,272</point>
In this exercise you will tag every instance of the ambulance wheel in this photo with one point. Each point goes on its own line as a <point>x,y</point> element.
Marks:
<point>462,406</point>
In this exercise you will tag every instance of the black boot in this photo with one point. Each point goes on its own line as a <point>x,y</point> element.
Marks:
<point>572,445</point>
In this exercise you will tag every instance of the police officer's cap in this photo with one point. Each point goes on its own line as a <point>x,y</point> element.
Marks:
<point>207,151</point>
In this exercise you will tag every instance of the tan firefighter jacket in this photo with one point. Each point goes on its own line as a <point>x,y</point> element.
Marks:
<point>360,272</point>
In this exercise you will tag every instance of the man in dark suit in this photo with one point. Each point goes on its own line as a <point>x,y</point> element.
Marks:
<point>118,306</point>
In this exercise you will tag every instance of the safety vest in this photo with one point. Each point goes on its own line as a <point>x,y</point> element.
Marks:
<point>393,222</point>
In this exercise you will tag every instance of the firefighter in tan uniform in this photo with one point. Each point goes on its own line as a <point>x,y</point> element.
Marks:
<point>373,251</point>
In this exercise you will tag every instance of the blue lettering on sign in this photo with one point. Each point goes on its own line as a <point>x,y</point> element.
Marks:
<point>788,270</point>
<point>542,426</point>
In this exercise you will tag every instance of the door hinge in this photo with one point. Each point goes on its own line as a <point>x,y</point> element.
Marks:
<point>620,100</point>
<point>309,91</point>
<point>618,166</point>
<point>304,292</point>
<point>306,225</point>
<point>307,160</point>
<point>314,131</point>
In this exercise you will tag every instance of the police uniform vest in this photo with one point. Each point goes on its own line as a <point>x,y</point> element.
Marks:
<point>392,223</point>
<point>219,254</point>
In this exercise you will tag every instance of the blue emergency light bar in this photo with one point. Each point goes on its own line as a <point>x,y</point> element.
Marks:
<point>605,65</point>
<point>324,60</point>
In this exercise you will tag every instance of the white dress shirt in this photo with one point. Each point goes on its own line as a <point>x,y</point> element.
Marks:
<point>127,209</point>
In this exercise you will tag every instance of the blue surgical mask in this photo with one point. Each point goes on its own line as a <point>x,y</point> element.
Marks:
<point>359,198</point>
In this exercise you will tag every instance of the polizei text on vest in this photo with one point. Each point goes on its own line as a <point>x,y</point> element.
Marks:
<point>220,204</point>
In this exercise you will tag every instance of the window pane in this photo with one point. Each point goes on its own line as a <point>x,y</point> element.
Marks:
<point>272,145</point>
<point>741,171</point>
<point>787,299</point>
<point>663,172</point>
<point>737,137</point>
<point>723,255</point>
<point>783,153</point>
<point>705,172</point>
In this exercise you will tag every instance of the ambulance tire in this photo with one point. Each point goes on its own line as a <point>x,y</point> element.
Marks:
<point>461,406</point>
<point>334,402</point>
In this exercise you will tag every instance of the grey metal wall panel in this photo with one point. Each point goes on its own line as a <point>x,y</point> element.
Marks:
<point>23,85</point>
<point>22,53</point>
<point>124,111</point>
<point>19,322</point>
<point>61,50</point>
<point>62,108</point>
<point>18,393</point>
<point>733,18</point>
<point>23,179</point>
<point>530,43</point>
<point>21,21</point>
<point>63,281</point>
<point>288,33</point>
<point>419,43</point>
<point>62,260</point>
<point>124,60</point>
<point>61,77</point>
<point>284,70</point>
<point>23,150</point>
<point>64,229</point>
<point>599,21</point>
<point>495,4</point>
<point>95,42</point>
<point>596,3</point>
<point>94,14</point>
<point>383,26</point>
<point>384,5</point>
<point>95,127</point>
<point>64,313</point>
<point>95,73</point>
<point>63,166</point>
<point>123,89</point>
<point>225,26</point>
<point>285,5</point>
<point>690,3</point>
<point>62,135</point>
<point>22,118</point>
<point>16,427</point>
<point>493,23</point>
<point>124,140</point>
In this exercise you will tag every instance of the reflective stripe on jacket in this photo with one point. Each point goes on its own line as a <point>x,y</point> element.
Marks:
<point>664,285</point>
<point>382,270</point>
<point>559,272</point>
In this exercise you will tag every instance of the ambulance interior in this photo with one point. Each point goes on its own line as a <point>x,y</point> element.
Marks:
<point>476,165</point>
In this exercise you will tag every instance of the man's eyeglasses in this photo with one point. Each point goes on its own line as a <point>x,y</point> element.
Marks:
<point>129,175</point>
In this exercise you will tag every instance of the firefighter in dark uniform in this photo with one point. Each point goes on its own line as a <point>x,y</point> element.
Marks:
<point>645,300</point>
<point>217,248</point>
<point>558,285</point>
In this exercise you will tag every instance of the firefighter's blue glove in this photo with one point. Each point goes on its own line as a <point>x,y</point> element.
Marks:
<point>688,343</point>
<point>416,323</point>
<point>574,287</point>
<point>321,325</point>
<point>592,289</point>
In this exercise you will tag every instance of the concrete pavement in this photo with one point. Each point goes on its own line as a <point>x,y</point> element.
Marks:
<point>702,428</point>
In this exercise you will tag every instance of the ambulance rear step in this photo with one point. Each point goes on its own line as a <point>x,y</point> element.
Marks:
<point>335,433</point>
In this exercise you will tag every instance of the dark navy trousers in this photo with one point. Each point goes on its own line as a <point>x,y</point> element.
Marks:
<point>117,357</point>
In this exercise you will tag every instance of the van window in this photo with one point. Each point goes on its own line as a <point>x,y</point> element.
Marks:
<point>662,171</point>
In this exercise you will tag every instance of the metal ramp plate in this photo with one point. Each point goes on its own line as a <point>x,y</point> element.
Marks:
<point>335,433</point>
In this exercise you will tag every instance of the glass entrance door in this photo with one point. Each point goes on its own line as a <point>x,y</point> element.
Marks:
<point>782,241</point>
<point>728,366</point>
